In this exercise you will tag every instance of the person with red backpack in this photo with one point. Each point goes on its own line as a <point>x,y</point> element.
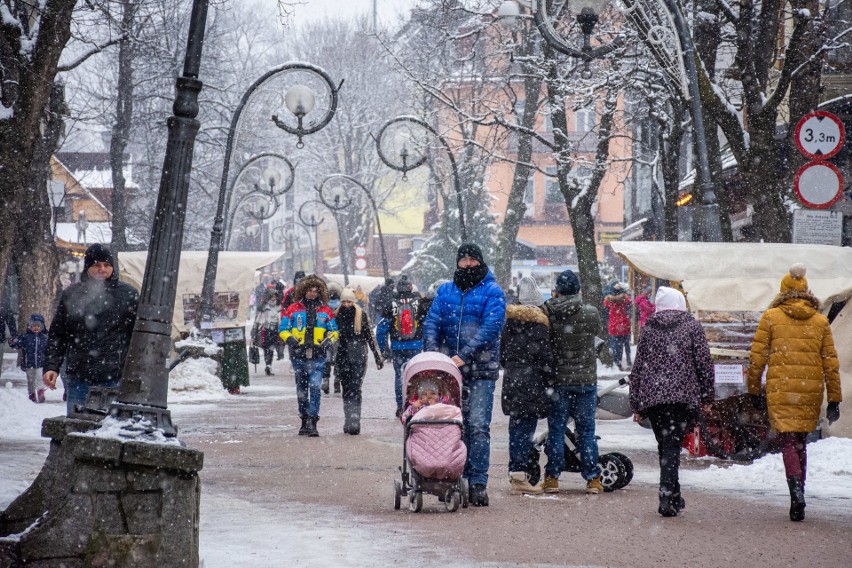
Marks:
<point>402,320</point>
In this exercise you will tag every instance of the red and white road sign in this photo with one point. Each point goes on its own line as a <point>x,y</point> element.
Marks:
<point>818,185</point>
<point>360,251</point>
<point>820,135</point>
<point>360,263</point>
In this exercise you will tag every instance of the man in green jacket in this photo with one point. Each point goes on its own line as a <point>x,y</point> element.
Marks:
<point>573,327</point>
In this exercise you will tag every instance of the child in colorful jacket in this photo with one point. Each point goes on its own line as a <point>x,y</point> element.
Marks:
<point>32,345</point>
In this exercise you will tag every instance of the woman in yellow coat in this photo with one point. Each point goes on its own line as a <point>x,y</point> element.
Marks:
<point>794,343</point>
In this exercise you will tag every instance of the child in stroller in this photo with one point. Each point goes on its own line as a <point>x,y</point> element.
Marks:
<point>433,452</point>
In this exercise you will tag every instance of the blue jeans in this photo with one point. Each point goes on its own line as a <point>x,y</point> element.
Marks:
<point>78,390</point>
<point>400,358</point>
<point>521,432</point>
<point>617,344</point>
<point>308,381</point>
<point>477,402</point>
<point>579,403</point>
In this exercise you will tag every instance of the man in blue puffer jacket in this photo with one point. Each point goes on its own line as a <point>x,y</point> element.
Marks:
<point>464,322</point>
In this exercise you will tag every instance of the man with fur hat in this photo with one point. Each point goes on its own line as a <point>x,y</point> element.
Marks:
<point>464,322</point>
<point>308,328</point>
<point>402,321</point>
<point>573,328</point>
<point>91,329</point>
<point>794,343</point>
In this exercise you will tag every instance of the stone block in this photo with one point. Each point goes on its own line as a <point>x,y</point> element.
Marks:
<point>60,426</point>
<point>92,448</point>
<point>57,563</point>
<point>99,478</point>
<point>145,479</point>
<point>108,517</point>
<point>142,512</point>
<point>163,456</point>
<point>62,532</point>
<point>138,551</point>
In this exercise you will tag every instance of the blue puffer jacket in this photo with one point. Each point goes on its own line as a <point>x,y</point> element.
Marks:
<point>32,345</point>
<point>468,325</point>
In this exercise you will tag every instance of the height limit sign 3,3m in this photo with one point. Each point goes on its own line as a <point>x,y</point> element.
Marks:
<point>819,136</point>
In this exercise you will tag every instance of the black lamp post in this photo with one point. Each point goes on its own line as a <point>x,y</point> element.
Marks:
<point>406,156</point>
<point>145,378</point>
<point>340,200</point>
<point>300,101</point>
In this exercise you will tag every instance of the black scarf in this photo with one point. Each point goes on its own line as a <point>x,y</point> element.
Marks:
<point>311,307</point>
<point>467,278</point>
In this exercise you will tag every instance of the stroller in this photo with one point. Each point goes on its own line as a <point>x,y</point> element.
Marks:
<point>616,468</point>
<point>433,455</point>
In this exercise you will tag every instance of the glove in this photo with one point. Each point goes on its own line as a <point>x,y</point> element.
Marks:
<point>832,412</point>
<point>387,355</point>
<point>292,342</point>
<point>758,401</point>
<point>379,363</point>
<point>325,343</point>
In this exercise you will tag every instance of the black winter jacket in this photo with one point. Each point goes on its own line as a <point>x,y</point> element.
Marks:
<point>91,329</point>
<point>573,327</point>
<point>527,361</point>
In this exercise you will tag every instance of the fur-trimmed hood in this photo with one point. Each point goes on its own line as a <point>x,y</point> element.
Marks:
<point>309,282</point>
<point>521,312</point>
<point>805,295</point>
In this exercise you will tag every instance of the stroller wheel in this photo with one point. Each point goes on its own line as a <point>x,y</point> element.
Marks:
<point>415,501</point>
<point>397,494</point>
<point>612,472</point>
<point>533,466</point>
<point>453,500</point>
<point>628,469</point>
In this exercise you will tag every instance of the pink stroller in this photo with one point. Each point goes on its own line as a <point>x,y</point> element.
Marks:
<point>433,455</point>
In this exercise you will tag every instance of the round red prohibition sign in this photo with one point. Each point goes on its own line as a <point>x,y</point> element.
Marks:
<point>820,135</point>
<point>818,185</point>
<point>360,263</point>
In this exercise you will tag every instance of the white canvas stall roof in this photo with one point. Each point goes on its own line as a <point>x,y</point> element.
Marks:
<point>367,283</point>
<point>236,273</point>
<point>740,276</point>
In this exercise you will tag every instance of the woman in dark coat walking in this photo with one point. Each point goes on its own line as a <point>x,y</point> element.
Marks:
<point>527,360</point>
<point>671,380</point>
<point>356,335</point>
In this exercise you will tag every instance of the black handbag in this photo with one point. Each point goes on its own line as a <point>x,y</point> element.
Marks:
<point>254,355</point>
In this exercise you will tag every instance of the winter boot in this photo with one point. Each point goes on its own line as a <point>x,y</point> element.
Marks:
<point>668,503</point>
<point>324,385</point>
<point>40,395</point>
<point>519,484</point>
<point>33,397</point>
<point>268,371</point>
<point>797,498</point>
<point>303,430</point>
<point>312,426</point>
<point>336,386</point>
<point>351,417</point>
<point>478,496</point>
<point>550,484</point>
<point>594,486</point>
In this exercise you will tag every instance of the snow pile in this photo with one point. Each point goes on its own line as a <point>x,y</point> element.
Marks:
<point>135,429</point>
<point>20,418</point>
<point>195,379</point>
<point>210,348</point>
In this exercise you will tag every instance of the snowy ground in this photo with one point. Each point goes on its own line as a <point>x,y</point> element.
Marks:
<point>282,538</point>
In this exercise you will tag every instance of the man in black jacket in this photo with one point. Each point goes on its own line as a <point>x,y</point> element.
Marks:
<point>91,329</point>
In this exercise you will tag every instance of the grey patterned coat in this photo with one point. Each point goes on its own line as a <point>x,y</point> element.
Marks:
<point>672,363</point>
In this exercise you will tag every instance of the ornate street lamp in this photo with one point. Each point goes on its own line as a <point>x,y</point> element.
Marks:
<point>304,117</point>
<point>335,198</point>
<point>309,215</point>
<point>396,148</point>
<point>286,234</point>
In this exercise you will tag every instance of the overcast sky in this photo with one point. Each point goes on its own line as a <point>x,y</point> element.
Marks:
<point>387,10</point>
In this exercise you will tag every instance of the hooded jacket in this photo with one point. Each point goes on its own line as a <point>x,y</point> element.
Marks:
<point>388,325</point>
<point>33,346</point>
<point>310,323</point>
<point>527,361</point>
<point>794,342</point>
<point>672,364</point>
<point>573,327</point>
<point>91,329</point>
<point>468,324</point>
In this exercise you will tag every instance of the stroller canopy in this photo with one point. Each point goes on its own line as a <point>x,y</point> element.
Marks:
<point>433,361</point>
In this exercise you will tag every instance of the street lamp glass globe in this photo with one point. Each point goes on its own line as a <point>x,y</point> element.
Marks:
<point>272,177</point>
<point>300,100</point>
<point>594,6</point>
<point>508,13</point>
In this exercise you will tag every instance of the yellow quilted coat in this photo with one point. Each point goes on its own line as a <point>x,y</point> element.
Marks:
<point>794,340</point>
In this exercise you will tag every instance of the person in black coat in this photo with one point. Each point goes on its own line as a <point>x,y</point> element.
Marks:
<point>91,329</point>
<point>527,360</point>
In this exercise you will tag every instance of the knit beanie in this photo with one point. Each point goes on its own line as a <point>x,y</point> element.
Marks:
<point>528,293</point>
<point>298,276</point>
<point>427,385</point>
<point>404,284</point>
<point>334,290</point>
<point>471,250</point>
<point>567,284</point>
<point>97,253</point>
<point>795,279</point>
<point>348,295</point>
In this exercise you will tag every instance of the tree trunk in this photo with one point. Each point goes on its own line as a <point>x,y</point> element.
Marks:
<point>771,218</point>
<point>670,157</point>
<point>121,128</point>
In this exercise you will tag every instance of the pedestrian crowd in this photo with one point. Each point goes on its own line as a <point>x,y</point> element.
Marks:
<point>547,349</point>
